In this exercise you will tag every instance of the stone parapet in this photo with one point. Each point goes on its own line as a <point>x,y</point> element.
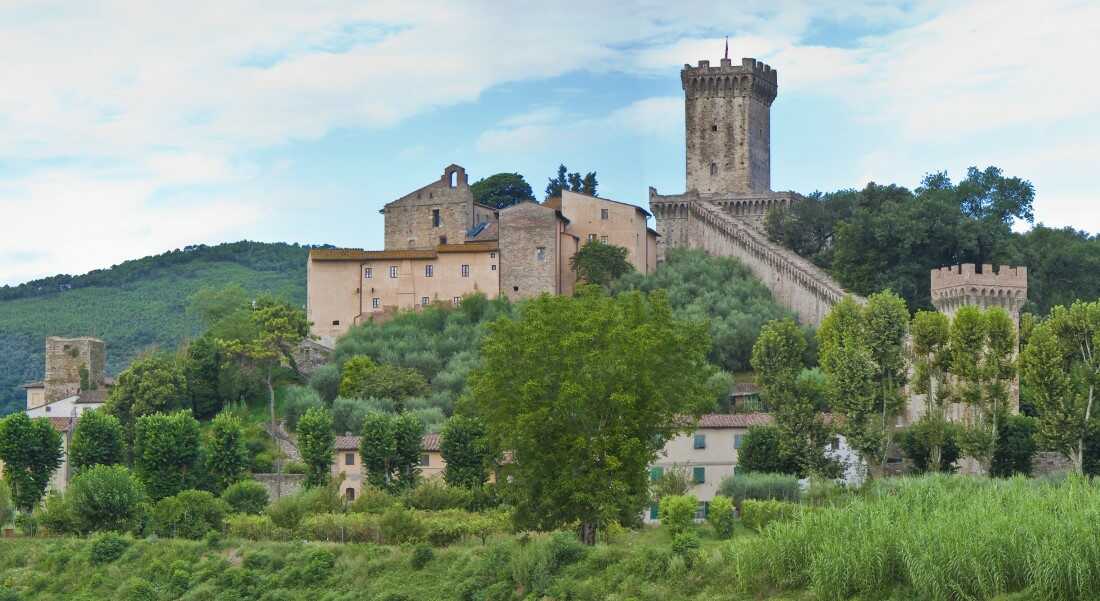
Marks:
<point>960,285</point>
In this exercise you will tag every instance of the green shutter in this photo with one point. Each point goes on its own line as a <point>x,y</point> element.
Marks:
<point>699,475</point>
<point>700,441</point>
<point>655,473</point>
<point>652,511</point>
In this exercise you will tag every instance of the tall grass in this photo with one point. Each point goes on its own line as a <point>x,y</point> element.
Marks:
<point>752,485</point>
<point>945,538</point>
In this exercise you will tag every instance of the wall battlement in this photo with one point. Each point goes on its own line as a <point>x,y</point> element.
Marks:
<point>967,274</point>
<point>959,285</point>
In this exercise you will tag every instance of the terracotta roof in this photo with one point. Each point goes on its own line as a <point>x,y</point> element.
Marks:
<point>479,246</point>
<point>430,442</point>
<point>399,254</point>
<point>61,424</point>
<point>734,420</point>
<point>337,254</point>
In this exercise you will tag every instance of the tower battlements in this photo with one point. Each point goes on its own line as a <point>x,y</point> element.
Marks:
<point>751,76</point>
<point>959,285</point>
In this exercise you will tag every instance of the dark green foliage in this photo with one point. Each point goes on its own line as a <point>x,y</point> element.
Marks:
<point>399,525</point>
<point>361,378</point>
<point>501,190</point>
<point>372,500</point>
<point>422,556</point>
<point>1015,446</point>
<point>108,546</point>
<point>390,450</point>
<point>167,455</point>
<point>572,182</point>
<point>296,401</point>
<point>316,444</point>
<point>326,381</point>
<point>246,496</point>
<point>152,384</point>
<point>226,455</point>
<point>97,440</point>
<point>30,450</point>
<point>600,263</point>
<point>203,367</point>
<point>760,452</point>
<point>434,495</point>
<point>56,515</point>
<point>720,290</point>
<point>7,508</point>
<point>750,485</point>
<point>465,449</point>
<point>914,442</point>
<point>102,498</point>
<point>287,512</point>
<point>189,514</point>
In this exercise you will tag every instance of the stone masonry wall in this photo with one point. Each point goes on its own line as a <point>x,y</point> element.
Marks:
<point>524,228</point>
<point>409,219</point>
<point>65,357</point>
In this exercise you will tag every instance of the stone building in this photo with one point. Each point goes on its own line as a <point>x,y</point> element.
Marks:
<point>348,465</point>
<point>440,246</point>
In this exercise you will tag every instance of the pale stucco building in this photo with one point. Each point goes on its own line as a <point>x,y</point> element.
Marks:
<point>441,245</point>
<point>348,464</point>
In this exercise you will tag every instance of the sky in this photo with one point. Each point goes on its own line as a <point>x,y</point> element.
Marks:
<point>133,128</point>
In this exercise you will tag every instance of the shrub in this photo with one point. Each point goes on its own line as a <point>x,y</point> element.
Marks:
<point>757,514</point>
<point>399,525</point>
<point>326,381</point>
<point>7,508</point>
<point>340,528</point>
<point>296,401</point>
<point>295,467</point>
<point>27,523</point>
<point>255,527</point>
<point>422,556</point>
<point>435,495</point>
<point>677,512</point>
<point>686,545</point>
<point>246,496</point>
<point>914,443</point>
<point>189,514</point>
<point>56,516</point>
<point>721,516</point>
<point>760,452</point>
<point>108,547</point>
<point>372,500</point>
<point>751,485</point>
<point>288,511</point>
<point>105,498</point>
<point>167,453</point>
<point>137,589</point>
<point>1015,446</point>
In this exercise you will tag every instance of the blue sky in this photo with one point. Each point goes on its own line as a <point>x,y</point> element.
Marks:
<point>132,128</point>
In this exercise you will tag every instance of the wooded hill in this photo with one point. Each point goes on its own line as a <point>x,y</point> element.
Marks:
<point>133,306</point>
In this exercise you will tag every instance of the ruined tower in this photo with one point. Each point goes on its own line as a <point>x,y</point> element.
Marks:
<point>728,126</point>
<point>73,364</point>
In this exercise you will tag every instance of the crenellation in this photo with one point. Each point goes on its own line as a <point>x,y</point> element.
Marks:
<point>957,286</point>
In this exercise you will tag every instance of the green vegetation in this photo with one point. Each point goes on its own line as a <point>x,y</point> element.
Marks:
<point>30,450</point>
<point>600,263</point>
<point>573,182</point>
<point>501,190</point>
<point>133,306</point>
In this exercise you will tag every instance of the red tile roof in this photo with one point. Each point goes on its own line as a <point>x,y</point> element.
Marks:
<point>61,424</point>
<point>430,442</point>
<point>734,420</point>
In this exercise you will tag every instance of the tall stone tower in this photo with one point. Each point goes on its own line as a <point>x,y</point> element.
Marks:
<point>960,285</point>
<point>728,119</point>
<point>66,359</point>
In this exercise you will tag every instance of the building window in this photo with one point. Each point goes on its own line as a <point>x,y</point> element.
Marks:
<point>492,255</point>
<point>737,440</point>
<point>368,273</point>
<point>456,300</point>
<point>714,168</point>
<point>700,441</point>
<point>393,271</point>
<point>591,237</point>
<point>836,444</point>
<point>336,322</point>
<point>349,458</point>
<point>465,271</point>
<point>540,253</point>
<point>603,239</point>
<point>349,494</point>
<point>603,214</point>
<point>424,301</point>
<point>436,220</point>
<point>442,240</point>
<point>699,475</point>
<point>713,128</point>
<point>655,473</point>
<point>429,270</point>
<point>375,302</point>
<point>425,460</point>
<point>492,267</point>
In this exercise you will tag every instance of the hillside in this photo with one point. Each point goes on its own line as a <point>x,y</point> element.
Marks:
<point>133,306</point>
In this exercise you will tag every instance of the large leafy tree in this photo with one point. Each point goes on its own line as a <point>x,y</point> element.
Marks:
<point>466,452</point>
<point>1061,367</point>
<point>993,203</point>
<point>390,448</point>
<point>153,383</point>
<point>227,456</point>
<point>761,452</point>
<point>167,453</point>
<point>573,389</point>
<point>203,363</point>
<point>502,190</point>
<point>317,445</point>
<point>97,440</point>
<point>778,360</point>
<point>362,378</point>
<point>600,263</point>
<point>31,452</point>
<point>106,498</point>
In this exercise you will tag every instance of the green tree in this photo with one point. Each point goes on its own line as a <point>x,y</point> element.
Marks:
<point>106,498</point>
<point>572,389</point>
<point>167,455</point>
<point>930,331</point>
<point>153,383</point>
<point>1061,368</point>
<point>227,457</point>
<point>466,452</point>
<point>363,379</point>
<point>202,369</point>
<point>674,480</point>
<point>777,359</point>
<point>390,449</point>
<point>97,440</point>
<point>317,444</point>
<point>502,190</point>
<point>993,203</point>
<point>761,452</point>
<point>573,182</point>
<point>31,452</point>
<point>600,263</point>
<point>1015,447</point>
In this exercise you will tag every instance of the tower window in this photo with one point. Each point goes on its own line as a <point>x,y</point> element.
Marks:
<point>713,128</point>
<point>714,168</point>
<point>436,220</point>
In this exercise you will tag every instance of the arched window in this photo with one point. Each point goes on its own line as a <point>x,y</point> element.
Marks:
<point>714,168</point>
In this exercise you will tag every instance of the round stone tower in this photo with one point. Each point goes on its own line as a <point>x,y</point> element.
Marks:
<point>728,126</point>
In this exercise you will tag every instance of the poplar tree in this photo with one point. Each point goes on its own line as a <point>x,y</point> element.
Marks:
<point>317,444</point>
<point>31,452</point>
<point>97,440</point>
<point>930,331</point>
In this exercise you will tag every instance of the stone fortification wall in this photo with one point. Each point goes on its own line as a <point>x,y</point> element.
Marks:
<point>960,285</point>
<point>795,282</point>
<point>64,359</point>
